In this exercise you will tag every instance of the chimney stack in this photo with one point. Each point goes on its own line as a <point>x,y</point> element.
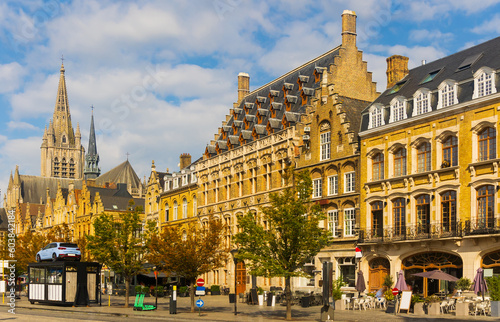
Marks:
<point>185,160</point>
<point>348,29</point>
<point>397,69</point>
<point>243,86</point>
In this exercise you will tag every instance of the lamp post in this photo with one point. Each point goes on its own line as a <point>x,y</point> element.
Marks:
<point>234,252</point>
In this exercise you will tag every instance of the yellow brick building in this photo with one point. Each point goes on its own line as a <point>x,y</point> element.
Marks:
<point>429,170</point>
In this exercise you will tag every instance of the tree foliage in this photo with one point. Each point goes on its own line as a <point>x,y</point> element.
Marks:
<point>292,237</point>
<point>121,244</point>
<point>189,251</point>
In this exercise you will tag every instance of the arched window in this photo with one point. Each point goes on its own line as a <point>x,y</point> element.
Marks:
<point>450,151</point>
<point>423,214</point>
<point>378,167</point>
<point>485,207</point>
<point>195,206</point>
<point>447,94</point>
<point>166,212</point>
<point>324,141</point>
<point>487,144</point>
<point>377,219</point>
<point>398,112</point>
<point>421,102</point>
<point>375,117</point>
<point>184,208</point>
<point>484,82</point>
<point>399,211</point>
<point>400,162</point>
<point>448,211</point>
<point>175,210</point>
<point>424,157</point>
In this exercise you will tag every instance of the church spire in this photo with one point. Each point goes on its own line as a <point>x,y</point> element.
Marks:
<point>92,170</point>
<point>63,129</point>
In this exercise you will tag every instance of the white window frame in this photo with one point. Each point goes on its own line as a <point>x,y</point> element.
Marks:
<point>184,208</point>
<point>484,82</point>
<point>398,109</point>
<point>195,206</point>
<point>349,182</point>
<point>333,185</point>
<point>349,222</point>
<point>317,188</point>
<point>324,141</point>
<point>375,115</point>
<point>422,102</point>
<point>176,208</point>
<point>176,183</point>
<point>447,94</point>
<point>184,179</point>
<point>167,210</point>
<point>333,223</point>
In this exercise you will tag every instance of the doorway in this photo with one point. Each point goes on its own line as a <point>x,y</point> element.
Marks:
<point>379,268</point>
<point>241,278</point>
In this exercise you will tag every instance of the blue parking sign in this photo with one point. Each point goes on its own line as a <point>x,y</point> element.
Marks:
<point>200,303</point>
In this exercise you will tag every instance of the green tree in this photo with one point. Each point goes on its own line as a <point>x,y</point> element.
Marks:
<point>293,236</point>
<point>120,243</point>
<point>189,251</point>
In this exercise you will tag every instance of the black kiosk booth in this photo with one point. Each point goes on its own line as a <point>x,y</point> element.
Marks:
<point>68,283</point>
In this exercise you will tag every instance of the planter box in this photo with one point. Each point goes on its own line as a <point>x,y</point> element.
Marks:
<point>433,309</point>
<point>339,305</point>
<point>261,299</point>
<point>462,309</point>
<point>418,308</point>
<point>495,308</point>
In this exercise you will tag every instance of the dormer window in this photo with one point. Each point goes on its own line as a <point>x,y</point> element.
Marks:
<point>421,101</point>
<point>398,109</point>
<point>484,82</point>
<point>447,94</point>
<point>375,116</point>
<point>397,87</point>
<point>430,76</point>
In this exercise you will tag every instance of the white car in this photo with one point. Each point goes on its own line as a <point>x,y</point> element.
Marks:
<point>59,250</point>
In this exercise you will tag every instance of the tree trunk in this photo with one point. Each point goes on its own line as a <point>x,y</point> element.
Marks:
<point>288,296</point>
<point>191,294</point>
<point>127,286</point>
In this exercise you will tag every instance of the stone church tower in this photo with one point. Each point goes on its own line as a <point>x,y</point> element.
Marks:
<point>62,152</point>
<point>92,170</point>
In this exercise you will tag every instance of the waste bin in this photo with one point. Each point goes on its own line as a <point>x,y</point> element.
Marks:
<point>232,298</point>
<point>305,301</point>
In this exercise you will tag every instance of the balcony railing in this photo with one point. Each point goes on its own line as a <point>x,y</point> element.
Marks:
<point>430,231</point>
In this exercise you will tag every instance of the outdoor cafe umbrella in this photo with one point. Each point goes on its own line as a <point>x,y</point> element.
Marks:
<point>437,275</point>
<point>401,283</point>
<point>479,284</point>
<point>360,283</point>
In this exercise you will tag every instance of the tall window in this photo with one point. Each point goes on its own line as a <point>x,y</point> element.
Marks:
<point>317,183</point>
<point>449,211</point>
<point>399,211</point>
<point>333,185</point>
<point>376,117</point>
<point>349,184</point>
<point>175,210</point>
<point>487,144</point>
<point>485,206</point>
<point>450,151</point>
<point>378,166</point>
<point>423,214</point>
<point>397,110</point>
<point>349,222</point>
<point>484,84</point>
<point>447,95</point>
<point>424,157</point>
<point>400,162</point>
<point>325,145</point>
<point>166,212</point>
<point>184,208</point>
<point>378,218</point>
<point>422,103</point>
<point>195,209</point>
<point>333,223</point>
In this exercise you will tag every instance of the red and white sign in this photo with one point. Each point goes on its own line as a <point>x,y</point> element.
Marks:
<point>395,291</point>
<point>359,253</point>
<point>200,282</point>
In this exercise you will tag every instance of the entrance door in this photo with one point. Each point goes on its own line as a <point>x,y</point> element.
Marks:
<point>379,268</point>
<point>71,283</point>
<point>241,278</point>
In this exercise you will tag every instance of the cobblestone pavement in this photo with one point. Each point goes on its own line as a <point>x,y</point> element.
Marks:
<point>216,308</point>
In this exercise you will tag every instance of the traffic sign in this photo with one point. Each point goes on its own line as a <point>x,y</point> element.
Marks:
<point>395,291</point>
<point>200,303</point>
<point>200,282</point>
<point>200,290</point>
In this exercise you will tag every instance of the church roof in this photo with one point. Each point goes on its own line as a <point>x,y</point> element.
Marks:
<point>123,173</point>
<point>34,188</point>
<point>114,198</point>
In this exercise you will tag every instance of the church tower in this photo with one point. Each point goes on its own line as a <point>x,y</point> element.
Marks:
<point>61,151</point>
<point>91,170</point>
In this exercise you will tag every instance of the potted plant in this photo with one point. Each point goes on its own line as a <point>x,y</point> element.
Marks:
<point>260,292</point>
<point>418,304</point>
<point>494,290</point>
<point>337,293</point>
<point>432,303</point>
<point>215,290</point>
<point>462,285</point>
<point>389,297</point>
<point>183,291</point>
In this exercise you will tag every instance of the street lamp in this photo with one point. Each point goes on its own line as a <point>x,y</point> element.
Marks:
<point>234,252</point>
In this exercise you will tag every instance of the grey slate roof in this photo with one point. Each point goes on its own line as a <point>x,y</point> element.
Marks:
<point>34,188</point>
<point>484,54</point>
<point>123,173</point>
<point>114,199</point>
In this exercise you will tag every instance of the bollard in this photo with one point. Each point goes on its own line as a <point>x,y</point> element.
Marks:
<point>3,298</point>
<point>109,300</point>
<point>173,300</point>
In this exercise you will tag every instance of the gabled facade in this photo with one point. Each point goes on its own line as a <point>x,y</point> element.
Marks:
<point>430,170</point>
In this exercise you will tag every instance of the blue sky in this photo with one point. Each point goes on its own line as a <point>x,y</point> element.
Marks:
<point>162,75</point>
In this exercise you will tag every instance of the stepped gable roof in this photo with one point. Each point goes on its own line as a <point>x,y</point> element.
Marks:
<point>4,222</point>
<point>123,173</point>
<point>282,94</point>
<point>116,198</point>
<point>459,67</point>
<point>353,107</point>
<point>34,188</point>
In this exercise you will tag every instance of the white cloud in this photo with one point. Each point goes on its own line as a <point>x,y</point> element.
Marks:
<point>490,26</point>
<point>11,76</point>
<point>12,125</point>
<point>426,36</point>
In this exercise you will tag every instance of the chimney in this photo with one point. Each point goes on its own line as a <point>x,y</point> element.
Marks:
<point>185,160</point>
<point>397,69</point>
<point>243,86</point>
<point>348,29</point>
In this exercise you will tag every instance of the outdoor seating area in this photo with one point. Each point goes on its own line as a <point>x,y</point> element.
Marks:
<point>364,303</point>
